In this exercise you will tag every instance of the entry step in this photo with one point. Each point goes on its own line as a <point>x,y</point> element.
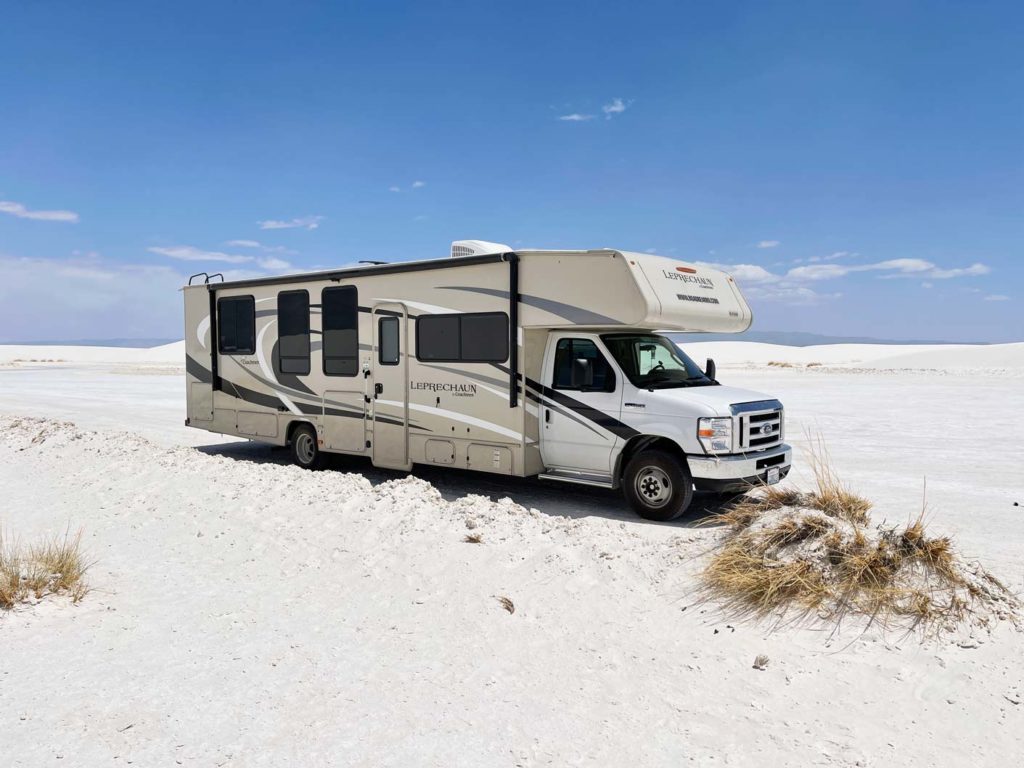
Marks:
<point>595,479</point>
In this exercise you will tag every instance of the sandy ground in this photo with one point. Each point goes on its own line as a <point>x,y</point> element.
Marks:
<point>244,612</point>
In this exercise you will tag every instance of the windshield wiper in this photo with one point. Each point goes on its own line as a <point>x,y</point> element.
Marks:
<point>669,384</point>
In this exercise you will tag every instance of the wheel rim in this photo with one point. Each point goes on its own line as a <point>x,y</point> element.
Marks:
<point>653,487</point>
<point>305,449</point>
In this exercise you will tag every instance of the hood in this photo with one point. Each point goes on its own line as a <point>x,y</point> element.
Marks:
<point>714,400</point>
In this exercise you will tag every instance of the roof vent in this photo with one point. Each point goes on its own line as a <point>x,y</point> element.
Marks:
<point>477,248</point>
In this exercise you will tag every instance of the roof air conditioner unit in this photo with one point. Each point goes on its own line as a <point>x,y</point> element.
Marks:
<point>477,248</point>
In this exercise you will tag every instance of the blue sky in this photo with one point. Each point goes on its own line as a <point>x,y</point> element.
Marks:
<point>859,166</point>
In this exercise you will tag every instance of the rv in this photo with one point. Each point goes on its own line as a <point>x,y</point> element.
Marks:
<point>516,362</point>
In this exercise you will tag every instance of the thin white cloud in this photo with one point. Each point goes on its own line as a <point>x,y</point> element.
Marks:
<point>893,268</point>
<point>791,287</point>
<point>274,264</point>
<point>769,244</point>
<point>831,257</point>
<point>614,107</point>
<point>785,293</point>
<point>760,284</point>
<point>418,184</point>
<point>256,245</point>
<point>21,212</point>
<point>190,253</point>
<point>745,273</point>
<point>394,189</point>
<point>90,300</point>
<point>972,271</point>
<point>300,222</point>
<point>997,297</point>
<point>575,117</point>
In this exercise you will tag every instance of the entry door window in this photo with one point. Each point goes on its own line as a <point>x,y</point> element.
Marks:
<point>387,340</point>
<point>567,351</point>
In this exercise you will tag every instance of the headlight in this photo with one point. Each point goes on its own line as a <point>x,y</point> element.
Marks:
<point>715,434</point>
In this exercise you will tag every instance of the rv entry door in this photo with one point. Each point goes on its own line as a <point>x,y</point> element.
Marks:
<point>390,438</point>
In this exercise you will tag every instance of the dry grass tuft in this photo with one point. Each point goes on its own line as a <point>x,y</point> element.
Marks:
<point>780,364</point>
<point>816,554</point>
<point>507,604</point>
<point>473,538</point>
<point>55,566</point>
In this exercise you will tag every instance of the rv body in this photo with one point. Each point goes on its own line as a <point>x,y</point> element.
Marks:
<point>526,363</point>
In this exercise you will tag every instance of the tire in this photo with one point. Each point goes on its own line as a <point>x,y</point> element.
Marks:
<point>657,485</point>
<point>305,449</point>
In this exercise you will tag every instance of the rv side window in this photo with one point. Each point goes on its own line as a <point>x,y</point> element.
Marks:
<point>340,307</point>
<point>469,338</point>
<point>567,352</point>
<point>437,338</point>
<point>387,340</point>
<point>484,338</point>
<point>293,332</point>
<point>236,325</point>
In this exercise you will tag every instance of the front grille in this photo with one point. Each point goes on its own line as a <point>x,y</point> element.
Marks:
<point>760,429</point>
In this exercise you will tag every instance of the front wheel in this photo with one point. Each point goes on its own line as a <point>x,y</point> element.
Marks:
<point>305,449</point>
<point>657,485</point>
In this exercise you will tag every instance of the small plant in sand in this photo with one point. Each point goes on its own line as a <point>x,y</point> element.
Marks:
<point>780,364</point>
<point>55,566</point>
<point>790,555</point>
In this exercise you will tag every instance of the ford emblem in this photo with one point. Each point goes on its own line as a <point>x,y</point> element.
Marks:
<point>767,429</point>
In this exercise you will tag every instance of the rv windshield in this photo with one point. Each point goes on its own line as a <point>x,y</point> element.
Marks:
<point>654,362</point>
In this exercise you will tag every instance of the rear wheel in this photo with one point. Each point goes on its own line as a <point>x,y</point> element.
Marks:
<point>657,485</point>
<point>305,449</point>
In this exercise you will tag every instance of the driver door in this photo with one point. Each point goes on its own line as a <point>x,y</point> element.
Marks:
<point>582,393</point>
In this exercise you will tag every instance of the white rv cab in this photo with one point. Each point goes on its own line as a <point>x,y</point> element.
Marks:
<point>519,362</point>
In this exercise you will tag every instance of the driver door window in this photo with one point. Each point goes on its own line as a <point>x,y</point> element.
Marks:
<point>567,352</point>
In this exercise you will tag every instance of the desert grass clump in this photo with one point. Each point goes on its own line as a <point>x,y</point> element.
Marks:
<point>506,603</point>
<point>53,566</point>
<point>792,556</point>
<point>780,364</point>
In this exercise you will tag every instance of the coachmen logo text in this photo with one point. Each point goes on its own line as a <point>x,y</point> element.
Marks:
<point>459,390</point>
<point>703,282</point>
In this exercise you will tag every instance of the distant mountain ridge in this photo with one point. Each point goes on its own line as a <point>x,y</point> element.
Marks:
<point>799,338</point>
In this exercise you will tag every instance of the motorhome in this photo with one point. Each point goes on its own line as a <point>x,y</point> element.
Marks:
<point>518,362</point>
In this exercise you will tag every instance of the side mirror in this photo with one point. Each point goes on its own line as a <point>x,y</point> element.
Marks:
<point>582,373</point>
<point>709,369</point>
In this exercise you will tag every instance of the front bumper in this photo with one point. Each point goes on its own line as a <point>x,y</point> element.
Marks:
<point>737,472</point>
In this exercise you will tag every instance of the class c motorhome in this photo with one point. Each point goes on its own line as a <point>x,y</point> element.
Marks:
<point>527,363</point>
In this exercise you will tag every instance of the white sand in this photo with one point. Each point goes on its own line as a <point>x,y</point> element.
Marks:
<point>247,613</point>
<point>166,353</point>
